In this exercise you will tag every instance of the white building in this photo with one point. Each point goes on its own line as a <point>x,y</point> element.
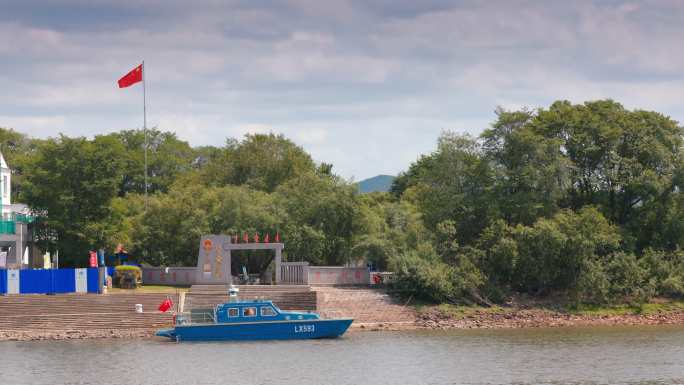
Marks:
<point>5,188</point>
<point>15,236</point>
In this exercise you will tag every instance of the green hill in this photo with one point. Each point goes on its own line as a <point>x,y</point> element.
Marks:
<point>376,183</point>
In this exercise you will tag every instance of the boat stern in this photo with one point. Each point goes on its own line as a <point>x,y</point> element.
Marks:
<point>343,325</point>
<point>169,333</point>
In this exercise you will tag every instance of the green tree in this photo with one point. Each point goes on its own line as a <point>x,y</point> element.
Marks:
<point>624,162</point>
<point>18,149</point>
<point>71,182</point>
<point>322,218</point>
<point>455,183</point>
<point>168,158</point>
<point>261,161</point>
<point>530,170</point>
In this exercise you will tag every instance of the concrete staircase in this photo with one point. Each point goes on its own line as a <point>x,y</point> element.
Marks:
<point>363,304</point>
<point>286,297</point>
<point>67,312</point>
<point>82,312</point>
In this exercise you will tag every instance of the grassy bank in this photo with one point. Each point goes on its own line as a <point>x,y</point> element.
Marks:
<point>659,307</point>
<point>460,311</point>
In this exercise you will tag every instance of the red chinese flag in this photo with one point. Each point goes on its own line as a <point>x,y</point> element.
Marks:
<point>135,76</point>
<point>166,305</point>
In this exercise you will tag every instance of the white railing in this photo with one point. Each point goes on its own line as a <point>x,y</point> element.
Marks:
<point>294,273</point>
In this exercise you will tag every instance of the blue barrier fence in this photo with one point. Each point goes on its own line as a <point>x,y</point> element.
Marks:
<point>93,277</point>
<point>3,281</point>
<point>52,281</point>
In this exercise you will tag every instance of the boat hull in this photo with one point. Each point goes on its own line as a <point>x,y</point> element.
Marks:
<point>274,330</point>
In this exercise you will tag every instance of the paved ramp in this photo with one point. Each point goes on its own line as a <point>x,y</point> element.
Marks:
<point>365,305</point>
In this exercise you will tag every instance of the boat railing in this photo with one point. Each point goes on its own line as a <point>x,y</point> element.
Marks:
<point>196,316</point>
<point>332,313</point>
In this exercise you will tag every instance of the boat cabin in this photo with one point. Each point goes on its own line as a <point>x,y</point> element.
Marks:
<point>244,311</point>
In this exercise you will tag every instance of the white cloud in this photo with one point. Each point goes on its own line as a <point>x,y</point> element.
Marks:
<point>41,126</point>
<point>366,86</point>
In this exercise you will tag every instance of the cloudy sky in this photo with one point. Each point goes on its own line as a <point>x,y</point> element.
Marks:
<point>366,85</point>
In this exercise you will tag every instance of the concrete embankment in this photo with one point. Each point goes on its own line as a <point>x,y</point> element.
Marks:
<point>38,317</point>
<point>371,308</point>
<point>69,316</point>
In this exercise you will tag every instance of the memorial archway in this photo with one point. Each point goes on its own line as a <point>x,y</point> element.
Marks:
<point>214,260</point>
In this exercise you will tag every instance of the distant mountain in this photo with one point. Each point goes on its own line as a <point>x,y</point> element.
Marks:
<point>376,183</point>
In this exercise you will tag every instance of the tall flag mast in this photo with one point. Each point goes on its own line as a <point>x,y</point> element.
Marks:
<point>137,75</point>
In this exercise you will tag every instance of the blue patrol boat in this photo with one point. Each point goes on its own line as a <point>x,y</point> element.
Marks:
<point>251,320</point>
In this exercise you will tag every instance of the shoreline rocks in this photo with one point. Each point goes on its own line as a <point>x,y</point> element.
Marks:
<point>60,335</point>
<point>535,318</point>
<point>431,318</point>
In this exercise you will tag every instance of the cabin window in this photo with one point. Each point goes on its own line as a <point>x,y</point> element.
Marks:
<point>249,312</point>
<point>267,311</point>
<point>233,312</point>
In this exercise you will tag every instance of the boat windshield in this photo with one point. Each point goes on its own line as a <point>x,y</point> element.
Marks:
<point>267,311</point>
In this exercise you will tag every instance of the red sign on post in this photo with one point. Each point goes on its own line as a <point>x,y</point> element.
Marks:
<point>93,258</point>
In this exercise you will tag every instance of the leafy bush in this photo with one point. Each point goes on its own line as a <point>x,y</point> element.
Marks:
<point>426,278</point>
<point>424,275</point>
<point>666,270</point>
<point>628,280</point>
<point>127,273</point>
<point>593,285</point>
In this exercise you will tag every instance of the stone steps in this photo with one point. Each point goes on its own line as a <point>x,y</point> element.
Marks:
<point>82,312</point>
<point>117,311</point>
<point>363,304</point>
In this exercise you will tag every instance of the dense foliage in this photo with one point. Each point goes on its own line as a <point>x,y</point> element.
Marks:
<point>582,201</point>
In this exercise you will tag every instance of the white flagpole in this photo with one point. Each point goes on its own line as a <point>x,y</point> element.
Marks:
<point>145,129</point>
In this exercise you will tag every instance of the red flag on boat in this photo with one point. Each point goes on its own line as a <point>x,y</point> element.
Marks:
<point>267,239</point>
<point>165,305</point>
<point>256,237</point>
<point>277,239</point>
<point>135,76</point>
<point>245,237</point>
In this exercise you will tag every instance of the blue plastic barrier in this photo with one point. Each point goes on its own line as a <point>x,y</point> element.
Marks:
<point>3,281</point>
<point>50,281</point>
<point>47,281</point>
<point>35,281</point>
<point>93,277</point>
<point>63,280</point>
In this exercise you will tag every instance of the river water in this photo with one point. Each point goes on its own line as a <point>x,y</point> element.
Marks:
<point>611,355</point>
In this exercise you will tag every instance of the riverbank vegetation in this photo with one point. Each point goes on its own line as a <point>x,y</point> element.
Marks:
<point>577,201</point>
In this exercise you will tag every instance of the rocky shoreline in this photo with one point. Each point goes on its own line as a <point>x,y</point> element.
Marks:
<point>431,319</point>
<point>535,318</point>
<point>427,318</point>
<point>59,335</point>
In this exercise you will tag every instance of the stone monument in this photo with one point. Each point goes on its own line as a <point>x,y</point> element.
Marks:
<point>214,261</point>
